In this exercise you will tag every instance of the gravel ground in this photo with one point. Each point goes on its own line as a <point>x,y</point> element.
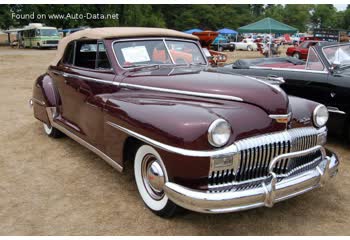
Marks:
<point>57,187</point>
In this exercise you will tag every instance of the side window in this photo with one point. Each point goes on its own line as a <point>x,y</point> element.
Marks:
<point>85,54</point>
<point>68,57</point>
<point>313,61</point>
<point>102,58</point>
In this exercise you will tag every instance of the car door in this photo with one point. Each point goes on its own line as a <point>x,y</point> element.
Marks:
<point>310,83</point>
<point>82,88</point>
<point>340,93</point>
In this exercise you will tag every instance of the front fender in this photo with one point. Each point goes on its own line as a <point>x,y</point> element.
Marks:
<point>181,122</point>
<point>302,111</point>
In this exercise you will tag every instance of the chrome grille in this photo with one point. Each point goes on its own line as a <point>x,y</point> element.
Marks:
<point>256,153</point>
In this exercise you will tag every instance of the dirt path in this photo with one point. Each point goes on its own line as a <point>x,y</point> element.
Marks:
<point>57,187</point>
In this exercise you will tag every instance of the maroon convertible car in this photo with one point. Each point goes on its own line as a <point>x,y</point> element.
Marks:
<point>203,140</point>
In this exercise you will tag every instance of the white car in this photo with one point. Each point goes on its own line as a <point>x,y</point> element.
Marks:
<point>246,44</point>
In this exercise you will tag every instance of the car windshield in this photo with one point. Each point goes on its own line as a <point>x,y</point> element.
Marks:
<point>339,55</point>
<point>150,52</point>
<point>48,32</point>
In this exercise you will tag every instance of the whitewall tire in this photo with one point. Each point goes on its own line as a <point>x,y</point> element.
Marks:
<point>51,131</point>
<point>296,55</point>
<point>150,176</point>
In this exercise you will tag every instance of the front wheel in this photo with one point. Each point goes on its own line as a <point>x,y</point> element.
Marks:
<point>51,131</point>
<point>221,49</point>
<point>150,177</point>
<point>296,55</point>
<point>249,48</point>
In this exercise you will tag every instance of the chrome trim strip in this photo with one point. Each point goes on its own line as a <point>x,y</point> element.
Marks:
<point>185,152</point>
<point>189,93</point>
<point>136,86</point>
<point>288,69</point>
<point>42,103</point>
<point>277,88</point>
<point>64,74</point>
<point>335,110</point>
<point>167,48</point>
<point>51,112</point>
<point>278,116</point>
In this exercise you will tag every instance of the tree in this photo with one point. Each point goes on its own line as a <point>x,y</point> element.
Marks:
<point>276,12</point>
<point>324,16</point>
<point>257,9</point>
<point>6,20</point>
<point>298,16</point>
<point>346,19</point>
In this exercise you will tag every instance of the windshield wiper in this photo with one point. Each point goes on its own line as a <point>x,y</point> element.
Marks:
<point>189,64</point>
<point>137,67</point>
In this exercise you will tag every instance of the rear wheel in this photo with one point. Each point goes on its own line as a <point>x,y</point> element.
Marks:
<point>296,55</point>
<point>52,132</point>
<point>150,177</point>
<point>250,48</point>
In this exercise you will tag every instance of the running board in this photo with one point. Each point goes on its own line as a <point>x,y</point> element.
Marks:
<point>52,113</point>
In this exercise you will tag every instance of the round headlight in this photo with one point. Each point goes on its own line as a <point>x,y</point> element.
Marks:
<point>320,116</point>
<point>219,133</point>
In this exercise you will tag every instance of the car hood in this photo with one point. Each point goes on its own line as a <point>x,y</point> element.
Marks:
<point>209,81</point>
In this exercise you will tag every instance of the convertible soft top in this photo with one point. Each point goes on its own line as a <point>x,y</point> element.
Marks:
<point>117,32</point>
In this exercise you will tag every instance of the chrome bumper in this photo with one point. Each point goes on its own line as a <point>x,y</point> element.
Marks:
<point>269,192</point>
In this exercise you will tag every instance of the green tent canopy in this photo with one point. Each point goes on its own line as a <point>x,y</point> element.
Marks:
<point>267,25</point>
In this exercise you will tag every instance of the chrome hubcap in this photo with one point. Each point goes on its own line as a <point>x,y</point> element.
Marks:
<point>153,176</point>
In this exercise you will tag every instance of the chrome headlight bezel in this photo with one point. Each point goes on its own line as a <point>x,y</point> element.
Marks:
<point>316,114</point>
<point>213,127</point>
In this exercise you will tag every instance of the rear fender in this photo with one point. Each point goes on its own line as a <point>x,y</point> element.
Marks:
<point>44,95</point>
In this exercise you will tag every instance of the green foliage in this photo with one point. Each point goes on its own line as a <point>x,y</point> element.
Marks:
<point>5,17</point>
<point>181,17</point>
<point>324,16</point>
<point>297,15</point>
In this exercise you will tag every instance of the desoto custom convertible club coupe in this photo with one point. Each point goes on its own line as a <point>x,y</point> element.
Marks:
<point>203,140</point>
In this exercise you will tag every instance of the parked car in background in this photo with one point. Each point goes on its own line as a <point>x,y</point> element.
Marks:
<point>296,37</point>
<point>285,40</point>
<point>324,78</point>
<point>197,138</point>
<point>221,44</point>
<point>301,51</point>
<point>206,38</point>
<point>247,44</point>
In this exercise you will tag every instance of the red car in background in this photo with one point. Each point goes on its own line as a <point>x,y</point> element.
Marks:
<point>301,51</point>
